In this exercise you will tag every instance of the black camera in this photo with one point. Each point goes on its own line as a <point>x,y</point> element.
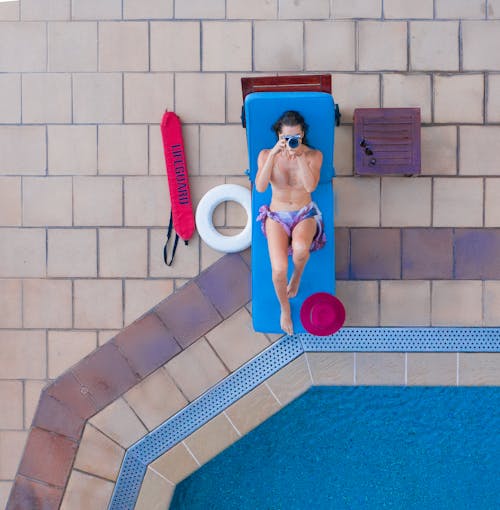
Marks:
<point>293,141</point>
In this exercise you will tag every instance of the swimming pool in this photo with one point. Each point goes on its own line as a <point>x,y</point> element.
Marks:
<point>361,448</point>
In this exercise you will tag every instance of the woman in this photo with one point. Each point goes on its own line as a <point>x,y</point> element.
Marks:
<point>292,223</point>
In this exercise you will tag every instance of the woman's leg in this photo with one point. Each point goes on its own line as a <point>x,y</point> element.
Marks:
<point>277,241</point>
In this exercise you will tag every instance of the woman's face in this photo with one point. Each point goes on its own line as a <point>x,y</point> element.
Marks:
<point>291,131</point>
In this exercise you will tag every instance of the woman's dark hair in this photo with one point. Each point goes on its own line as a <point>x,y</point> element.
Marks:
<point>291,118</point>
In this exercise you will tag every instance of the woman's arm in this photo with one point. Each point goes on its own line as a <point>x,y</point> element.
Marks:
<point>309,169</point>
<point>265,164</point>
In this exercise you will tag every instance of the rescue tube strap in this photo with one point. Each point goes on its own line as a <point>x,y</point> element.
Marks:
<point>176,240</point>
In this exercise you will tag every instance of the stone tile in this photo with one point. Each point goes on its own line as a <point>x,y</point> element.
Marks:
<point>492,205</point>
<point>5,487</point>
<point>493,9</point>
<point>477,254</point>
<point>478,150</point>
<point>10,100</point>
<point>97,201</point>
<point>375,253</point>
<point>210,439</point>
<point>439,150</point>
<point>199,9</point>
<point>11,449</point>
<point>473,9</point>
<point>9,11</point>
<point>188,314</point>
<point>24,47</point>
<point>380,368</point>
<point>491,303</point>
<point>28,242</point>
<point>331,368</point>
<point>291,381</point>
<point>405,303</point>
<point>106,335</point>
<point>85,491</point>
<point>357,202</point>
<point>404,91</point>
<point>258,9</point>
<point>278,46</point>
<point>32,391</point>
<point>196,369</point>
<point>123,149</point>
<point>141,295</point>
<point>451,90</point>
<point>47,303</point>
<point>227,46</point>
<point>72,252</point>
<point>96,9</point>
<point>382,46</point>
<point>156,492</point>
<point>10,201</point>
<point>406,202</point>
<point>315,9</point>
<point>479,369</point>
<point>44,10</point>
<point>343,153</point>
<point>361,302</point>
<point>106,373</point>
<point>342,253</point>
<point>65,348</point>
<point>11,404</point>
<point>493,98</point>
<point>72,150</point>
<point>147,201</point>
<point>23,354</point>
<point>148,9</point>
<point>427,253</point>
<point>200,97</point>
<point>30,494</point>
<point>253,409</point>
<point>357,9</point>
<point>123,46</point>
<point>113,243</point>
<point>434,45</point>
<point>209,256</point>
<point>235,340</point>
<point>432,369</point>
<point>456,303</point>
<point>148,399</point>
<point>98,455</point>
<point>147,96</point>
<point>176,464</point>
<point>10,303</point>
<point>97,97</point>
<point>479,37</point>
<point>401,9</point>
<point>14,158</point>
<point>72,46</point>
<point>458,202</point>
<point>234,99</point>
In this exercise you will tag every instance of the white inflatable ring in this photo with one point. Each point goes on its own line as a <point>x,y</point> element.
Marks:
<point>204,214</point>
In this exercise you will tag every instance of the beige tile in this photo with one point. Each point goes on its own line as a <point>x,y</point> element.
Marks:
<point>456,303</point>
<point>291,381</point>
<point>210,439</point>
<point>208,256</point>
<point>200,97</point>
<point>176,464</point>
<point>9,12</point>
<point>97,201</point>
<point>106,335</point>
<point>361,302</point>
<point>97,97</point>
<point>22,252</point>
<point>199,9</point>
<point>98,455</point>
<point>479,369</point>
<point>5,487</point>
<point>382,46</point>
<point>155,399</point>
<point>253,409</point>
<point>397,9</point>
<point>235,340</point>
<point>23,354</point>
<point>32,391</point>
<point>331,368</point>
<point>258,9</point>
<point>72,46</point>
<point>439,150</point>
<point>147,201</point>
<point>156,492</point>
<point>479,37</point>
<point>24,47</point>
<point>11,404</point>
<point>10,303</point>
<point>432,369</point>
<point>123,46</point>
<point>96,9</point>
<point>493,98</point>
<point>474,9</point>
<point>45,10</point>
<point>234,100</point>
<point>357,202</point>
<point>10,99</point>
<point>98,304</point>
<point>357,9</point>
<point>65,348</point>
<point>278,46</point>
<point>47,303</point>
<point>227,46</point>
<point>313,9</point>
<point>11,449</point>
<point>493,9</point>
<point>10,201</point>
<point>119,423</point>
<point>479,150</point>
<point>141,295</point>
<point>405,91</point>
<point>405,303</point>
<point>85,491</point>
<point>147,96</point>
<point>492,303</point>
<point>72,252</point>
<point>148,9</point>
<point>47,201</point>
<point>380,368</point>
<point>14,158</point>
<point>196,369</point>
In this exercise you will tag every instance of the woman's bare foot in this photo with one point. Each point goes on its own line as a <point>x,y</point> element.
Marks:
<point>286,321</point>
<point>293,287</point>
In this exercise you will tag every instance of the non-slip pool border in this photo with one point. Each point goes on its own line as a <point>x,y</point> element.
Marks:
<point>270,361</point>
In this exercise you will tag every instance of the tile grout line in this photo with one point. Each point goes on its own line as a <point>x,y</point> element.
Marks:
<point>266,384</point>
<point>309,367</point>
<point>231,422</point>
<point>160,475</point>
<point>190,452</point>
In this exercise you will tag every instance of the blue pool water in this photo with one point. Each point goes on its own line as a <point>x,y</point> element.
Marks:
<point>339,448</point>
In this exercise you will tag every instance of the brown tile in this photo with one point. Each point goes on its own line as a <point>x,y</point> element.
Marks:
<point>188,314</point>
<point>29,494</point>
<point>477,254</point>
<point>48,457</point>
<point>342,253</point>
<point>146,344</point>
<point>246,255</point>
<point>106,374</point>
<point>226,284</point>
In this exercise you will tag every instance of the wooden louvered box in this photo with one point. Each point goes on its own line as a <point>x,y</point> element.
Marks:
<point>387,141</point>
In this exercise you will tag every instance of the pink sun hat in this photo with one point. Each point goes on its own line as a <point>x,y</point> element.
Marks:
<point>322,314</point>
